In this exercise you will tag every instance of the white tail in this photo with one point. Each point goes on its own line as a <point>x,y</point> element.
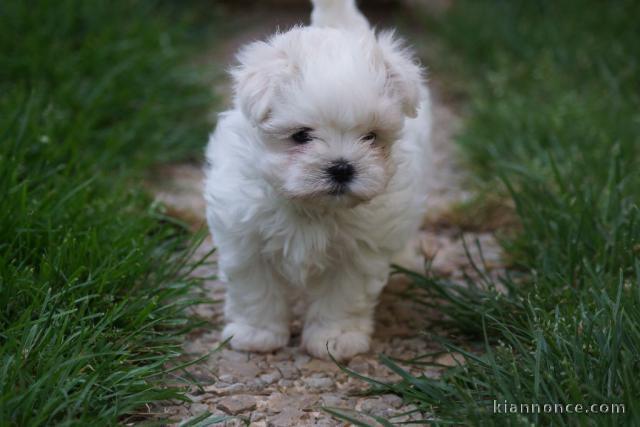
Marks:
<point>343,14</point>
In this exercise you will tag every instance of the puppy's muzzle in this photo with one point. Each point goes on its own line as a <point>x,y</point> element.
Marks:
<point>341,173</point>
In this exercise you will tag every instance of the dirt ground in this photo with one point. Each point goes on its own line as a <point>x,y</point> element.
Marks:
<point>288,387</point>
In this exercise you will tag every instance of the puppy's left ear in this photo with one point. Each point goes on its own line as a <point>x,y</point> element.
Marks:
<point>404,74</point>
<point>263,67</point>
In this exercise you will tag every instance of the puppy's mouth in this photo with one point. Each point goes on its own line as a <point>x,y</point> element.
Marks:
<point>343,195</point>
<point>337,195</point>
<point>338,190</point>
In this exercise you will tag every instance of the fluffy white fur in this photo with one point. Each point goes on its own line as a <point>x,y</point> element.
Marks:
<point>274,213</point>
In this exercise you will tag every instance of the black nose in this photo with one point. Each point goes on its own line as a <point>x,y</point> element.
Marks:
<point>341,171</point>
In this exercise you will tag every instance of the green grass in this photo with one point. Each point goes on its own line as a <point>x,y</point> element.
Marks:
<point>553,118</point>
<point>92,275</point>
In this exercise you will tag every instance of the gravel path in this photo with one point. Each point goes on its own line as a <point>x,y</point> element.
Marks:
<point>288,387</point>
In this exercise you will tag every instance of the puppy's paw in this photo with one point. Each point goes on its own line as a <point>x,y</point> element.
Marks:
<point>249,338</point>
<point>340,343</point>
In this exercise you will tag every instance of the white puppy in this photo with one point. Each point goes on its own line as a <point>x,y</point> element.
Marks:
<point>315,179</point>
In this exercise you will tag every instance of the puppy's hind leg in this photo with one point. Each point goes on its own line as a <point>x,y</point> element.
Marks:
<point>256,309</point>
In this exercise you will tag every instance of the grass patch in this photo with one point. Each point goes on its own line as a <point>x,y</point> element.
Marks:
<point>92,282</point>
<point>554,118</point>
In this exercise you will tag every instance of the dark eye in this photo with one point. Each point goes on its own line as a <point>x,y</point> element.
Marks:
<point>370,137</point>
<point>302,136</point>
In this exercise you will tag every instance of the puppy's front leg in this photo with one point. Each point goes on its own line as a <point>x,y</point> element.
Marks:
<point>257,309</point>
<point>340,315</point>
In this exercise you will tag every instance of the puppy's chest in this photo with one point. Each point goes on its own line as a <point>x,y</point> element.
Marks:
<point>304,249</point>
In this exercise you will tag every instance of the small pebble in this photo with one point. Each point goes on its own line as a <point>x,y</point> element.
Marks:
<point>233,405</point>
<point>319,383</point>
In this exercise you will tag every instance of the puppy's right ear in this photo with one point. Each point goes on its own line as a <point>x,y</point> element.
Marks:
<point>262,68</point>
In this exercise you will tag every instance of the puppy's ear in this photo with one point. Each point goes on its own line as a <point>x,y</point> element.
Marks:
<point>262,68</point>
<point>404,74</point>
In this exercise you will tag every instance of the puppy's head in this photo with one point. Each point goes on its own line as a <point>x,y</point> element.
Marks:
<point>328,105</point>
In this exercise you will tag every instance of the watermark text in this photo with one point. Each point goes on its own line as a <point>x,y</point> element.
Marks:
<point>505,407</point>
